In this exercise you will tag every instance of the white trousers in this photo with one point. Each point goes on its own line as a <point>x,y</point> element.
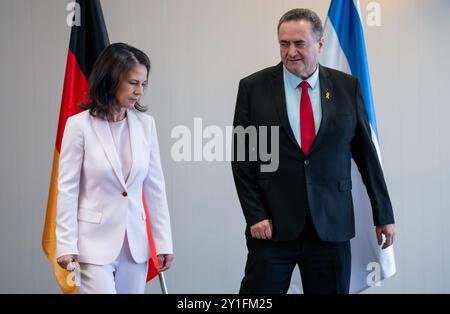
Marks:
<point>123,275</point>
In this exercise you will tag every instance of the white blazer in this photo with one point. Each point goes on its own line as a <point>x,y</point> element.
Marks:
<point>96,206</point>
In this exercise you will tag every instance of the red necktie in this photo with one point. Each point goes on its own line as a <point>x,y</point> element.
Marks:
<point>307,129</point>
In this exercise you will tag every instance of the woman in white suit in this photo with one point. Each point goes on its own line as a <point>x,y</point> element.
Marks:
<point>109,157</point>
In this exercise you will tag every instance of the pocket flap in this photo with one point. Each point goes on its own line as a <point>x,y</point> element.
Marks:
<point>90,215</point>
<point>345,185</point>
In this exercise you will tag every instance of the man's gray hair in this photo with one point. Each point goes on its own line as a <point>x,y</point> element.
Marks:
<point>307,15</point>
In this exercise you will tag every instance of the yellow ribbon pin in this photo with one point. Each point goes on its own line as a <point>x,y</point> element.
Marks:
<point>327,95</point>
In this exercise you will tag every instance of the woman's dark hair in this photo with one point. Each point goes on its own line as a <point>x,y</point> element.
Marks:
<point>108,71</point>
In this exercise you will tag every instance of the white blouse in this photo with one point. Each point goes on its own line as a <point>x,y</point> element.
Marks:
<point>121,137</point>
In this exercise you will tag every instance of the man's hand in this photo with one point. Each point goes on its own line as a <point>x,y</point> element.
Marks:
<point>389,233</point>
<point>262,230</point>
<point>165,261</point>
<point>65,260</point>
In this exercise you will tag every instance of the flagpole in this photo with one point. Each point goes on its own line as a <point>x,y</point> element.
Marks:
<point>162,283</point>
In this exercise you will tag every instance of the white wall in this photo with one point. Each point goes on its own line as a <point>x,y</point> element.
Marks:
<point>200,49</point>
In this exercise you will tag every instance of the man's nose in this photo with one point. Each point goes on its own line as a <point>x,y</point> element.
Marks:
<point>292,51</point>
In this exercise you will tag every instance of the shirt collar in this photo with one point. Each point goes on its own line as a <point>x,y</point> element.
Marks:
<point>294,81</point>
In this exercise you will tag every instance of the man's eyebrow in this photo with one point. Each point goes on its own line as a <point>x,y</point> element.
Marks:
<point>294,41</point>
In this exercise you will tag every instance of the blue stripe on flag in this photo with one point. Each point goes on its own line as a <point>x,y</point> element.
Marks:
<point>347,24</point>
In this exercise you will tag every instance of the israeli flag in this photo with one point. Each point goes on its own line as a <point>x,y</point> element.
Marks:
<point>345,50</point>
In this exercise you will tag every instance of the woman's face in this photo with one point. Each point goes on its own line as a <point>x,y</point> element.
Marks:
<point>132,86</point>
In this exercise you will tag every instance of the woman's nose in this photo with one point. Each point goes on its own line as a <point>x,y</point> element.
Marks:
<point>139,90</point>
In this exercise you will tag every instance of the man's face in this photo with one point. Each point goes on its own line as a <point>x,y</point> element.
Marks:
<point>299,49</point>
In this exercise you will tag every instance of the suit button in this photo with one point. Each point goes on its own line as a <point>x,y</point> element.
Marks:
<point>125,194</point>
<point>306,162</point>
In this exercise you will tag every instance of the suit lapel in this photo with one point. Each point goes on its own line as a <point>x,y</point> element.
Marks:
<point>134,136</point>
<point>104,135</point>
<point>326,99</point>
<point>277,83</point>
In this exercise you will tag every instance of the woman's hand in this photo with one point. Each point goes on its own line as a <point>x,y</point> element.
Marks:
<point>165,261</point>
<point>65,260</point>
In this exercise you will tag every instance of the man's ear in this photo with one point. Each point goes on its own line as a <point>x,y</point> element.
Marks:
<point>321,44</point>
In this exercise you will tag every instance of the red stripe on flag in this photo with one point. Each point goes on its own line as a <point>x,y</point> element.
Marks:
<point>75,91</point>
<point>153,265</point>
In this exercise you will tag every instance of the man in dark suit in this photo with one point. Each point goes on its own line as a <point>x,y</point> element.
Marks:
<point>302,213</point>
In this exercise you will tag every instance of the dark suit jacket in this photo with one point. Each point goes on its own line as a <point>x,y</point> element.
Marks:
<point>319,183</point>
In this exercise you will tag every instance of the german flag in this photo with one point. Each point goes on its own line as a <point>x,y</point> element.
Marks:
<point>87,40</point>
